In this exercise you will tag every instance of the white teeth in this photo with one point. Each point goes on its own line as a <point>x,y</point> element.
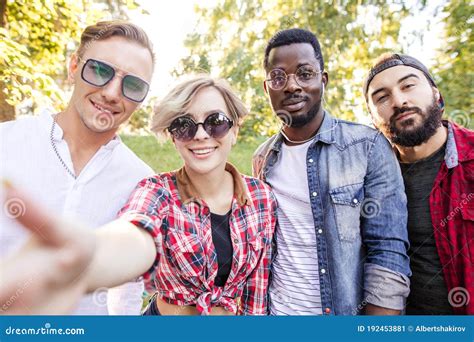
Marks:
<point>204,150</point>
<point>102,109</point>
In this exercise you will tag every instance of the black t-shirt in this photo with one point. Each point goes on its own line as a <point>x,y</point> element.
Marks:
<point>428,291</point>
<point>223,244</point>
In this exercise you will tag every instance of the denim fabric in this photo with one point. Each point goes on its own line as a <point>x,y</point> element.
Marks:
<point>359,207</point>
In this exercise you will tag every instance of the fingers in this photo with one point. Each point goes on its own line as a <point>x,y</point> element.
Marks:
<point>36,289</point>
<point>32,216</point>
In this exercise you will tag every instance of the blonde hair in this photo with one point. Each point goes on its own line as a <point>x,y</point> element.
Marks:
<point>175,102</point>
<point>114,28</point>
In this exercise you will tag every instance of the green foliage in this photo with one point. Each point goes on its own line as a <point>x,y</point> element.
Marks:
<point>230,42</point>
<point>456,62</point>
<point>36,40</point>
<point>164,157</point>
<point>140,120</point>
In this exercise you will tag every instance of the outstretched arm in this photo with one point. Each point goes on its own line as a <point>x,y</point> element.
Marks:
<point>63,260</point>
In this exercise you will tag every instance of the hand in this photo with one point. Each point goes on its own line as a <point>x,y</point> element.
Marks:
<point>46,276</point>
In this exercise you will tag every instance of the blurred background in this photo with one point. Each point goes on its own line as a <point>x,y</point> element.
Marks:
<point>227,39</point>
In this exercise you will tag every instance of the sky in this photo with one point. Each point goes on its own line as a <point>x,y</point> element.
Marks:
<point>169,22</point>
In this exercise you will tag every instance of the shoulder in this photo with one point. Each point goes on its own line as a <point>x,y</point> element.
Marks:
<point>22,123</point>
<point>158,188</point>
<point>348,131</point>
<point>258,190</point>
<point>265,146</point>
<point>132,161</point>
<point>158,181</point>
<point>462,134</point>
<point>25,134</point>
<point>464,139</point>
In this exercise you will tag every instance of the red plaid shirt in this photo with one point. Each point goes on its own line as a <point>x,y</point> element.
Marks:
<point>183,273</point>
<point>452,214</point>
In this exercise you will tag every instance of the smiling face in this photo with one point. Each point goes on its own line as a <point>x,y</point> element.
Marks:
<point>404,105</point>
<point>104,109</point>
<point>204,154</point>
<point>296,105</point>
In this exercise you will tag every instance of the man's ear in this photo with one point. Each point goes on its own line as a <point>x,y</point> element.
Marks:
<point>436,94</point>
<point>265,89</point>
<point>325,79</point>
<point>438,98</point>
<point>73,67</point>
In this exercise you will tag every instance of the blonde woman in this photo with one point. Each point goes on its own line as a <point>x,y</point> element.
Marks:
<point>201,235</point>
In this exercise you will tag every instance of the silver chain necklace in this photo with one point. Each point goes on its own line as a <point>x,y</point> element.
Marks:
<point>294,141</point>
<point>55,149</point>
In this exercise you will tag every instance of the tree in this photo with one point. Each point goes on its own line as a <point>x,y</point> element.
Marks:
<point>36,38</point>
<point>456,62</point>
<point>230,41</point>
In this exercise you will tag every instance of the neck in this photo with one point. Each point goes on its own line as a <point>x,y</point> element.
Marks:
<point>212,184</point>
<point>415,153</point>
<point>78,136</point>
<point>300,135</point>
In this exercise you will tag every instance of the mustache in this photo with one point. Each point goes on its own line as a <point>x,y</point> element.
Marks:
<point>296,97</point>
<point>399,111</point>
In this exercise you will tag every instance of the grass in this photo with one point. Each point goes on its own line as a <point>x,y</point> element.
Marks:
<point>164,157</point>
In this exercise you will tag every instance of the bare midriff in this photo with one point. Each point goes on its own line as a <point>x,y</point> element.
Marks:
<point>172,309</point>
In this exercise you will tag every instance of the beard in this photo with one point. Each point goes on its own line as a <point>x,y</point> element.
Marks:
<point>418,135</point>
<point>303,119</point>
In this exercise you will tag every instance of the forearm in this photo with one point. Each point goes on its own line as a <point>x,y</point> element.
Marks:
<point>124,252</point>
<point>375,310</point>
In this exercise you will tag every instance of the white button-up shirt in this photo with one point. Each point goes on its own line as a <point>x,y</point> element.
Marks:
<point>94,198</point>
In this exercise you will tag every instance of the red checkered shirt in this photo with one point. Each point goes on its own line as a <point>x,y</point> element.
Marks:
<point>185,267</point>
<point>452,214</point>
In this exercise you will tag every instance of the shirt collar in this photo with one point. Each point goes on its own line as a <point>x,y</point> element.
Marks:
<point>325,133</point>
<point>451,155</point>
<point>46,117</point>
<point>187,191</point>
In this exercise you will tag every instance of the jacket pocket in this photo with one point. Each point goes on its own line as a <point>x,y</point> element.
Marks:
<point>346,201</point>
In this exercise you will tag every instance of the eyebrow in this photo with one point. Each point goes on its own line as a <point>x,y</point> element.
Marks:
<point>117,68</point>
<point>399,81</point>
<point>297,67</point>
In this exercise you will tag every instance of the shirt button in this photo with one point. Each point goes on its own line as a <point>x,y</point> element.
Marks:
<point>205,211</point>
<point>320,231</point>
<point>310,160</point>
<point>355,201</point>
<point>236,241</point>
<point>315,194</point>
<point>323,271</point>
<point>327,310</point>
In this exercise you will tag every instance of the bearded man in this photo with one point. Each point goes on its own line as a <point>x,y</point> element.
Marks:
<point>437,161</point>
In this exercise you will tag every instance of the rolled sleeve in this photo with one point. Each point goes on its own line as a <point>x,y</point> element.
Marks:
<point>146,207</point>
<point>385,288</point>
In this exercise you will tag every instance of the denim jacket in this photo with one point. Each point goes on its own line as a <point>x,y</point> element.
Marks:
<point>360,215</point>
